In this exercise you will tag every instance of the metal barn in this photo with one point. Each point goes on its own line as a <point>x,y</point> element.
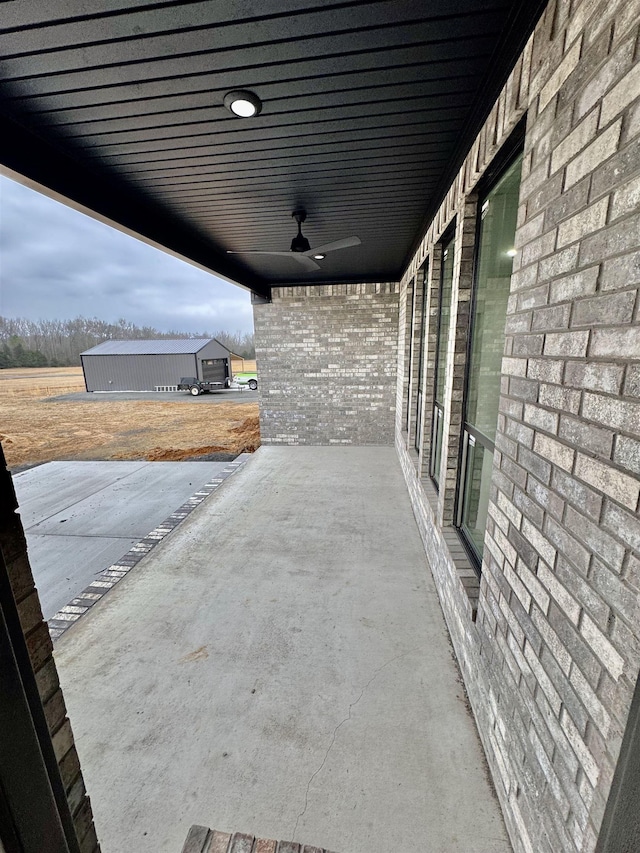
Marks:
<point>152,365</point>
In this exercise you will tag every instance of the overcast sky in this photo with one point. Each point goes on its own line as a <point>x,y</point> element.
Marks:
<point>57,263</point>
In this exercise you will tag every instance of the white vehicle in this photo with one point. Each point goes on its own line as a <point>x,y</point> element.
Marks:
<point>246,378</point>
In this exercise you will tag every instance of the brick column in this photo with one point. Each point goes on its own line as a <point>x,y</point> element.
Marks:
<point>14,551</point>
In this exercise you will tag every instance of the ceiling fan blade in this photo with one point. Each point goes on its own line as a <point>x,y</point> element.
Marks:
<point>257,252</point>
<point>301,257</point>
<point>345,243</point>
<point>304,259</point>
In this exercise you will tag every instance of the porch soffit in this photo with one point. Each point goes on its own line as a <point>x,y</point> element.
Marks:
<point>367,109</point>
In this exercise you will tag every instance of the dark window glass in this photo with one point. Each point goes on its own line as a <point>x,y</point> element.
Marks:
<point>442,347</point>
<point>421,340</point>
<point>411,298</point>
<point>498,213</point>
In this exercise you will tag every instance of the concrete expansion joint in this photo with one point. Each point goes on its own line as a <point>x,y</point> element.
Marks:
<point>339,726</point>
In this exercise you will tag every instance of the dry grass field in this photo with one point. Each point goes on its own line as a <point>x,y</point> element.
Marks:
<point>36,427</point>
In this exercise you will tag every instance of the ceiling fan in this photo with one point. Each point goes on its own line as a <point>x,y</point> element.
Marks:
<point>300,248</point>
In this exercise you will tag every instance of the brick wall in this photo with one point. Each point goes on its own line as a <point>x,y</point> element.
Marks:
<point>14,552</point>
<point>552,660</point>
<point>327,361</point>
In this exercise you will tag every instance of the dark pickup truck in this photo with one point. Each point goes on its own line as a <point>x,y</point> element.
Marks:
<point>201,386</point>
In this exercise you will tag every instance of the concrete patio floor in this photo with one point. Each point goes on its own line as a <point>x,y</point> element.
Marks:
<point>280,666</point>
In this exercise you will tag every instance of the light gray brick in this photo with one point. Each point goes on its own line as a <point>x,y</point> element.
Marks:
<point>626,199</point>
<point>569,203</point>
<point>615,592</point>
<point>559,76</point>
<point>551,370</point>
<point>609,480</point>
<point>527,345</point>
<point>616,170</point>
<point>560,595</point>
<point>594,377</point>
<point>586,436</point>
<point>559,263</point>
<point>581,283</point>
<point>541,418</point>
<point>622,94</point>
<point>526,278</point>
<point>542,545</point>
<point>529,231</point>
<point>567,344</point>
<point>557,397</point>
<point>622,341</point>
<point>558,651</point>
<point>602,647</point>
<point>596,710</point>
<point>595,538</point>
<point>605,77</point>
<point>532,298</point>
<point>627,453</point>
<point>624,525</point>
<point>514,366</point>
<point>535,179</point>
<point>554,317</point>
<point>632,381</point>
<point>579,137</point>
<point>600,149</point>
<point>610,241</point>
<point>538,248</point>
<point>584,592</point>
<point>577,493</point>
<point>591,219</point>
<point>619,414</point>
<point>546,498</point>
<point>556,452</point>
<point>534,464</point>
<point>561,538</point>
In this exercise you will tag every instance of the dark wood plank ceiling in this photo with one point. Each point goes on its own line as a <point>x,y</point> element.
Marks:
<point>117,104</point>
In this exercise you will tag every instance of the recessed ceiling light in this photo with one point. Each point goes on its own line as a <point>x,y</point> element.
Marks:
<point>243,103</point>
<point>319,257</point>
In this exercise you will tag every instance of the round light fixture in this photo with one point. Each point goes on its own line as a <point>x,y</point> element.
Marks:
<point>319,257</point>
<point>243,103</point>
<point>512,253</point>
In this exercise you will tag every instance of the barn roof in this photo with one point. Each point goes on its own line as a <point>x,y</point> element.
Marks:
<point>142,347</point>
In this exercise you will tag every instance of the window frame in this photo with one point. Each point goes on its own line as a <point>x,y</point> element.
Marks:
<point>418,439</point>
<point>447,240</point>
<point>506,157</point>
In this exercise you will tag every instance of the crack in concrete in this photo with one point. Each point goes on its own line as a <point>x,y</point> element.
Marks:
<point>338,727</point>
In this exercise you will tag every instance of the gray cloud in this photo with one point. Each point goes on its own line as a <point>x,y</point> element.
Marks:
<point>58,263</point>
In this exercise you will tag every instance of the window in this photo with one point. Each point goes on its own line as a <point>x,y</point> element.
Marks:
<point>497,227</point>
<point>421,340</point>
<point>442,346</point>
<point>411,298</point>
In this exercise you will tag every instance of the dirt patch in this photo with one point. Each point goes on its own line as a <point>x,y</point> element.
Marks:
<point>36,430</point>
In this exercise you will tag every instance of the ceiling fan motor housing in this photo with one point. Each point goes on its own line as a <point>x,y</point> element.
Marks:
<point>300,242</point>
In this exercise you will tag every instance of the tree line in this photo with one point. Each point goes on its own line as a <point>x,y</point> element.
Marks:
<point>58,343</point>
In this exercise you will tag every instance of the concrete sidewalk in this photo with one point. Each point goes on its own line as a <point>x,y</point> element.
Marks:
<point>80,517</point>
<point>280,666</point>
